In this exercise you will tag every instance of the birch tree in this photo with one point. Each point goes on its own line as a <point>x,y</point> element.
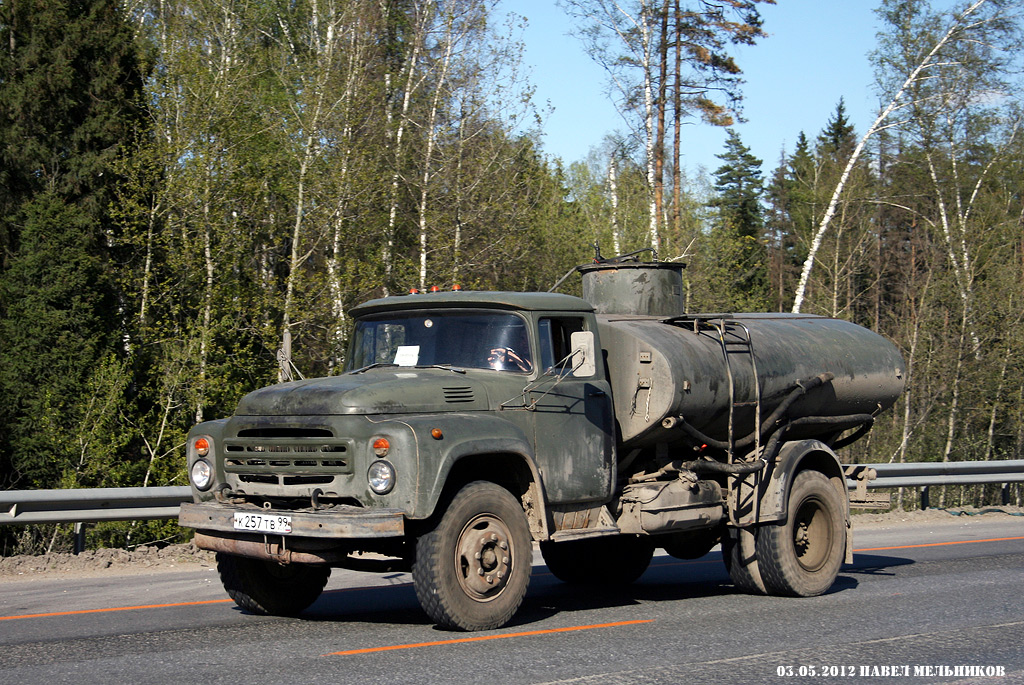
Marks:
<point>907,83</point>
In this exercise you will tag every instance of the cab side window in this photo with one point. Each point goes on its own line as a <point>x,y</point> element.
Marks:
<point>555,335</point>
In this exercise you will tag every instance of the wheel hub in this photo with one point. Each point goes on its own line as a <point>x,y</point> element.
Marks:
<point>812,537</point>
<point>483,557</point>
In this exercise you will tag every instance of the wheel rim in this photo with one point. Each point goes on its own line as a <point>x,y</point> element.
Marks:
<point>812,535</point>
<point>483,557</point>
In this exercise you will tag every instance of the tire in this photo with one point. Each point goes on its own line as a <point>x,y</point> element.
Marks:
<point>802,557</point>
<point>617,560</point>
<point>740,557</point>
<point>472,570</point>
<point>268,588</point>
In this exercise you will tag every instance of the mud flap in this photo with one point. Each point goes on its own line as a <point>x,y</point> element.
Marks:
<point>849,542</point>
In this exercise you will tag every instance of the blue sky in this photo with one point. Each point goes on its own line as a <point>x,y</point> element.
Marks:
<point>816,52</point>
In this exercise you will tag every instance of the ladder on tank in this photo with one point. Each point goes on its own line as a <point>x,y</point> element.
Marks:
<point>736,343</point>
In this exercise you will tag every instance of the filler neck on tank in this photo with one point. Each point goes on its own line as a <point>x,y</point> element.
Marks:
<point>621,286</point>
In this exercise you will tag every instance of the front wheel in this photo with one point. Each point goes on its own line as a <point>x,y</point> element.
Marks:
<point>801,557</point>
<point>472,570</point>
<point>268,588</point>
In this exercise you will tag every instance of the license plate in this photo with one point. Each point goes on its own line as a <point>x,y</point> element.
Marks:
<point>263,523</point>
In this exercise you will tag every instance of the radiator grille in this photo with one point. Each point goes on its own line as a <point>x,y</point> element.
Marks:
<point>287,456</point>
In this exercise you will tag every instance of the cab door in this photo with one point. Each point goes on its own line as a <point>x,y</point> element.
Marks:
<point>573,420</point>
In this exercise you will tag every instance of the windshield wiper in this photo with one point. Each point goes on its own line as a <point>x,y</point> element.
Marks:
<point>375,365</point>
<point>447,367</point>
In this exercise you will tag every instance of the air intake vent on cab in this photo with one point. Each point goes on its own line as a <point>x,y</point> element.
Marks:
<point>458,394</point>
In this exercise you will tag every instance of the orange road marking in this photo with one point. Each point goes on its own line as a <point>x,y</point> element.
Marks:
<point>938,544</point>
<point>480,638</point>
<point>490,637</point>
<point>100,611</point>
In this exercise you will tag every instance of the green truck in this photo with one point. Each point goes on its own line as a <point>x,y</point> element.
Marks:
<point>468,426</point>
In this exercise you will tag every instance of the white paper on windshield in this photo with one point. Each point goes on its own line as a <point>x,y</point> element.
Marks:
<point>407,355</point>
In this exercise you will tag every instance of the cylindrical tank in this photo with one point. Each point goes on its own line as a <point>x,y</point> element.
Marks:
<point>647,288</point>
<point>660,369</point>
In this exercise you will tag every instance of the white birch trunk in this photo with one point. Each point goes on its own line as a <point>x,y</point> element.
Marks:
<point>431,142</point>
<point>403,119</point>
<point>878,125</point>
<point>613,193</point>
<point>649,115</point>
<point>337,333</point>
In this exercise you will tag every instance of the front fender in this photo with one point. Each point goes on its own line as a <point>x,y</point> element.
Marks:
<point>213,431</point>
<point>473,446</point>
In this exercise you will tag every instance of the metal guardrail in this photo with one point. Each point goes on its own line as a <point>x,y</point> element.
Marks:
<point>89,505</point>
<point>924,475</point>
<point>126,504</point>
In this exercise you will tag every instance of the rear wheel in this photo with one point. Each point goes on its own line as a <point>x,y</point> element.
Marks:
<point>802,557</point>
<point>615,560</point>
<point>740,556</point>
<point>472,570</point>
<point>269,588</point>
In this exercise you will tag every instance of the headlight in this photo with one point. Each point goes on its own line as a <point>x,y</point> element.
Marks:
<point>381,477</point>
<point>202,474</point>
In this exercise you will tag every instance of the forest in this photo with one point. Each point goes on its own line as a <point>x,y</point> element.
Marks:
<point>186,183</point>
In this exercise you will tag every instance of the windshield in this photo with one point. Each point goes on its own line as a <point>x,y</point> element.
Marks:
<point>481,340</point>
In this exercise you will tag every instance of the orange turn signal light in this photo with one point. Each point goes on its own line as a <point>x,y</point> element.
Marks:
<point>202,446</point>
<point>381,446</point>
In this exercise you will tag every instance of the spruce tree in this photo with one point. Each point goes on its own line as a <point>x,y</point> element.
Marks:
<point>837,139</point>
<point>70,94</point>
<point>737,239</point>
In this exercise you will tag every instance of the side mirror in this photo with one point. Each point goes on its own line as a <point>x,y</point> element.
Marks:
<point>584,354</point>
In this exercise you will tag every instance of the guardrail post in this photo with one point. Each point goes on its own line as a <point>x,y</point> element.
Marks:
<point>79,538</point>
<point>1004,494</point>
<point>924,498</point>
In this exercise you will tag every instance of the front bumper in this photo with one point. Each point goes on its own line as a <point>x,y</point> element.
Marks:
<point>340,522</point>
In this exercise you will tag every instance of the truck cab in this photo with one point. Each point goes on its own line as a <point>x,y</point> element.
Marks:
<point>441,390</point>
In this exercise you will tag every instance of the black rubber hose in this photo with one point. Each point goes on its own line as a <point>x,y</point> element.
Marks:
<point>801,389</point>
<point>738,469</point>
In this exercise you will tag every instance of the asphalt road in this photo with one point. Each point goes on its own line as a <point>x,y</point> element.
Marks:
<point>928,603</point>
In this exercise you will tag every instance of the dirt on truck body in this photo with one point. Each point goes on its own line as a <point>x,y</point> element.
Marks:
<point>468,425</point>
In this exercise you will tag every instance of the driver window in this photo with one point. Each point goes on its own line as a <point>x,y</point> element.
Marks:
<point>555,345</point>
